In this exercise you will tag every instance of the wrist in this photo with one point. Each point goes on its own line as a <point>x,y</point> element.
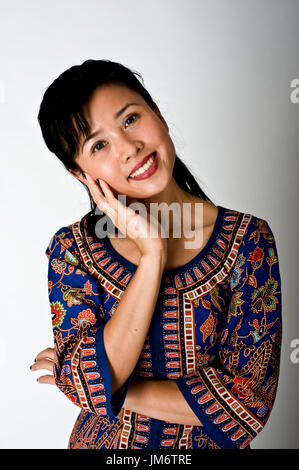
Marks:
<point>134,393</point>
<point>154,260</point>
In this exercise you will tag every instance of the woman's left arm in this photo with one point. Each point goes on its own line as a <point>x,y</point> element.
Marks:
<point>159,399</point>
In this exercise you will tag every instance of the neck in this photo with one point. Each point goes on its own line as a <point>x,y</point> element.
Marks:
<point>170,195</point>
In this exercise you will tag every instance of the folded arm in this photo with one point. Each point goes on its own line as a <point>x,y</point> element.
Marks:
<point>160,399</point>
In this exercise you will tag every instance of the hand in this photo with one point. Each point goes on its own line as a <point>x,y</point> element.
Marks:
<point>45,360</point>
<point>136,226</point>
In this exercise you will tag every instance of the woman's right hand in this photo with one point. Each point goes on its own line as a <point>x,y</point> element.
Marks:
<point>45,360</point>
<point>130,223</point>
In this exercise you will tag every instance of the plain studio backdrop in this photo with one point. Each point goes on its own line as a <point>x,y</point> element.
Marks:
<point>222,74</point>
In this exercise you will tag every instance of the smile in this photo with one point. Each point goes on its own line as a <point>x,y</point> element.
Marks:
<point>147,169</point>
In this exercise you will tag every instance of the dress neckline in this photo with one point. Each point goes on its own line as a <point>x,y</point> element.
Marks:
<point>172,271</point>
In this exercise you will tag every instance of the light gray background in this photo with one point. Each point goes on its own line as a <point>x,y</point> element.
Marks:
<point>221,73</point>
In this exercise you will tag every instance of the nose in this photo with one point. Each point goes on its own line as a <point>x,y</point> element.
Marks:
<point>126,146</point>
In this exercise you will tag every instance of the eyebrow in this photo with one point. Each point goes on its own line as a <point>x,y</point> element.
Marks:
<point>117,115</point>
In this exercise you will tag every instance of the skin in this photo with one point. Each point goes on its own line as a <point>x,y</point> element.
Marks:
<point>124,142</point>
<point>110,156</point>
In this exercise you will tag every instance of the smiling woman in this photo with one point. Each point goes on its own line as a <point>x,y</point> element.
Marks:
<point>124,135</point>
<point>68,106</point>
<point>159,345</point>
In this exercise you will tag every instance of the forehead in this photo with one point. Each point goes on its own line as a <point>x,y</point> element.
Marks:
<point>110,97</point>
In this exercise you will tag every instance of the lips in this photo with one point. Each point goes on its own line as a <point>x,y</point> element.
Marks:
<point>139,165</point>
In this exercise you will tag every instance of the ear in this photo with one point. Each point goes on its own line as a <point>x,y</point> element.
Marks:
<point>79,175</point>
<point>158,112</point>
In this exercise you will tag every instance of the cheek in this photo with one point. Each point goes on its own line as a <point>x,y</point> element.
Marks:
<point>97,168</point>
<point>162,136</point>
<point>110,172</point>
<point>170,148</point>
<point>106,170</point>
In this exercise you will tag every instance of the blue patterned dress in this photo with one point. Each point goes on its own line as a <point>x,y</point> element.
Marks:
<point>216,331</point>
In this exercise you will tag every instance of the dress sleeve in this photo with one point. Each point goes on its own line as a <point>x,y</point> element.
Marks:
<point>233,396</point>
<point>81,368</point>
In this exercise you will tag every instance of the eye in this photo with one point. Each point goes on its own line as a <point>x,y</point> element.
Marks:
<point>133,116</point>
<point>98,146</point>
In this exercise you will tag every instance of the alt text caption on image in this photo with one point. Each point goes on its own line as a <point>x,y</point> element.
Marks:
<point>149,460</point>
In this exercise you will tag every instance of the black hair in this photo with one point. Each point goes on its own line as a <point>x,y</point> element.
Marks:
<point>63,123</point>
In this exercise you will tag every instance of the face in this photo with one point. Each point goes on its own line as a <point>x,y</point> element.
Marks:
<point>122,134</point>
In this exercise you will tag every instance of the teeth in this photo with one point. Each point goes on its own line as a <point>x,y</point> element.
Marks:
<point>144,168</point>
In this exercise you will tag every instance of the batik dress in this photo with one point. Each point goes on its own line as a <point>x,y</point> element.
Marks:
<point>215,331</point>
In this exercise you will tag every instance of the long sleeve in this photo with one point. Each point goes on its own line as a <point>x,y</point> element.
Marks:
<point>233,396</point>
<point>81,368</point>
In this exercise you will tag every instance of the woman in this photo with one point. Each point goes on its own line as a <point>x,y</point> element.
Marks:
<point>161,346</point>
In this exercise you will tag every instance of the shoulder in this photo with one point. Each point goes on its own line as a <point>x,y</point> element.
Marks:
<point>255,231</point>
<point>246,225</point>
<point>251,238</point>
<point>62,244</point>
<point>252,229</point>
<point>256,255</point>
<point>69,242</point>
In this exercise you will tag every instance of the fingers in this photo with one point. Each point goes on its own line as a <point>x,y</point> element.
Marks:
<point>100,192</point>
<point>42,364</point>
<point>47,353</point>
<point>106,190</point>
<point>104,199</point>
<point>45,360</point>
<point>47,380</point>
<point>119,214</point>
